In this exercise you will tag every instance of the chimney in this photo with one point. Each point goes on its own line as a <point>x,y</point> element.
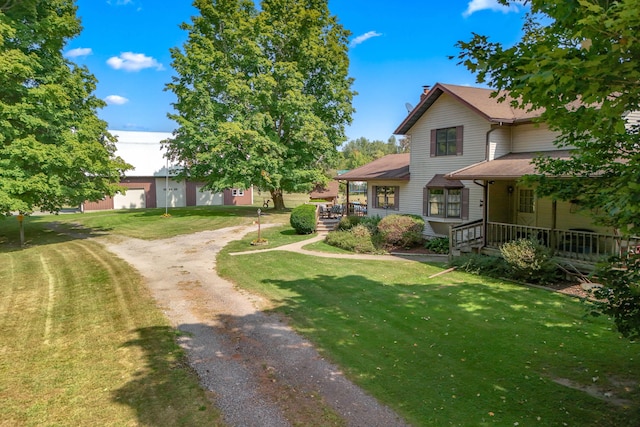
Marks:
<point>425,91</point>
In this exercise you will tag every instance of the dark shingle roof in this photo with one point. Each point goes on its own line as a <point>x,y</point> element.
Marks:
<point>510,166</point>
<point>325,191</point>
<point>389,167</point>
<point>478,99</point>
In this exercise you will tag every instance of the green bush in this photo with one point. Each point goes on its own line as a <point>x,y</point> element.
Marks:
<point>358,239</point>
<point>481,264</point>
<point>401,230</point>
<point>438,245</point>
<point>348,222</point>
<point>371,222</point>
<point>529,261</point>
<point>619,296</point>
<point>303,219</point>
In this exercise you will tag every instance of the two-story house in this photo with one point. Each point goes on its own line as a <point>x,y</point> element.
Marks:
<point>468,153</point>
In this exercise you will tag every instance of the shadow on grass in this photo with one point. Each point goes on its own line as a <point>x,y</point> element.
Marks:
<point>165,390</point>
<point>484,334</point>
<point>41,233</point>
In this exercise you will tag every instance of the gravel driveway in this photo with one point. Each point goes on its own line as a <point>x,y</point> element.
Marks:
<point>259,371</point>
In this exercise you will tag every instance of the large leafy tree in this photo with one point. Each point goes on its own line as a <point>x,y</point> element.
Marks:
<point>579,62</point>
<point>262,96</point>
<point>361,151</point>
<point>54,151</point>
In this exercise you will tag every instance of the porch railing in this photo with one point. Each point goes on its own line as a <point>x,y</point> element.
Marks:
<point>577,244</point>
<point>466,236</point>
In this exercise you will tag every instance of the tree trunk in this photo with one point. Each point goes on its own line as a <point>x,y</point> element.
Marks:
<point>278,200</point>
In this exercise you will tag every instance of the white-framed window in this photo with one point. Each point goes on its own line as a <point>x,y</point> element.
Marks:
<point>445,202</point>
<point>386,197</point>
<point>236,192</point>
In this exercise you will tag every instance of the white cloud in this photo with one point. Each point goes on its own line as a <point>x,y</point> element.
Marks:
<point>363,38</point>
<point>120,2</point>
<point>478,5</point>
<point>129,61</point>
<point>79,51</point>
<point>116,100</point>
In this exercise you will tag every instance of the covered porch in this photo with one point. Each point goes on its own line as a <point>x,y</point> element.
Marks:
<point>512,211</point>
<point>579,247</point>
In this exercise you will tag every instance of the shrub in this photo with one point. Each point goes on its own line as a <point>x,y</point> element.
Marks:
<point>619,296</point>
<point>303,219</point>
<point>358,239</point>
<point>529,260</point>
<point>348,222</point>
<point>481,264</point>
<point>401,230</point>
<point>438,245</point>
<point>371,222</point>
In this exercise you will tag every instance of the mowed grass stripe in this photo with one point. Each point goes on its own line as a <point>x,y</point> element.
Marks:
<point>7,279</point>
<point>111,357</point>
<point>115,271</point>
<point>51,284</point>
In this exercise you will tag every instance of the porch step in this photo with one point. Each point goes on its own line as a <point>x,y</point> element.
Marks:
<point>325,225</point>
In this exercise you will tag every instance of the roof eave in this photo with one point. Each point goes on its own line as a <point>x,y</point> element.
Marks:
<point>371,178</point>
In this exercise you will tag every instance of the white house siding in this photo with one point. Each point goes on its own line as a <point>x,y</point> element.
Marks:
<point>499,142</point>
<point>533,137</point>
<point>633,118</point>
<point>445,112</point>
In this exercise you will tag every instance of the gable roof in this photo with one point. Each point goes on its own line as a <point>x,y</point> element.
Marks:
<point>389,167</point>
<point>475,98</point>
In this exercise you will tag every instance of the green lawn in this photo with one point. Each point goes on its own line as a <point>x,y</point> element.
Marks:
<point>456,349</point>
<point>83,343</point>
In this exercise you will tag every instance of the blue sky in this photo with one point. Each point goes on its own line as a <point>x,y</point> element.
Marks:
<point>396,48</point>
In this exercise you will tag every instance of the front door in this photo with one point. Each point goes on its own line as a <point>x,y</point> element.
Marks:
<point>526,204</point>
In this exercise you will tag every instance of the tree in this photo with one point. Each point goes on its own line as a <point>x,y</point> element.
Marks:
<point>578,62</point>
<point>54,151</point>
<point>262,96</point>
<point>361,151</point>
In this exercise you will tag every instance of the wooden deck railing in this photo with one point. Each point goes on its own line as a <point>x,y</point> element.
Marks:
<point>577,244</point>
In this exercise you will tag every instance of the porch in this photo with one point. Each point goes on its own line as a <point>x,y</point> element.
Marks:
<point>580,246</point>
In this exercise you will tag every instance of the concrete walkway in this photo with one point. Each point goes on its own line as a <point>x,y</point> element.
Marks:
<point>298,247</point>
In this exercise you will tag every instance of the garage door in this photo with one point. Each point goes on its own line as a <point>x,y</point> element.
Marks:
<point>133,199</point>
<point>172,195</point>
<point>208,198</point>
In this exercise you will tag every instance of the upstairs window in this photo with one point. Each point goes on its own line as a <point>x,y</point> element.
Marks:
<point>237,192</point>
<point>446,141</point>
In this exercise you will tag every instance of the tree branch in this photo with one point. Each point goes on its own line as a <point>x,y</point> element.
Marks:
<point>6,5</point>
